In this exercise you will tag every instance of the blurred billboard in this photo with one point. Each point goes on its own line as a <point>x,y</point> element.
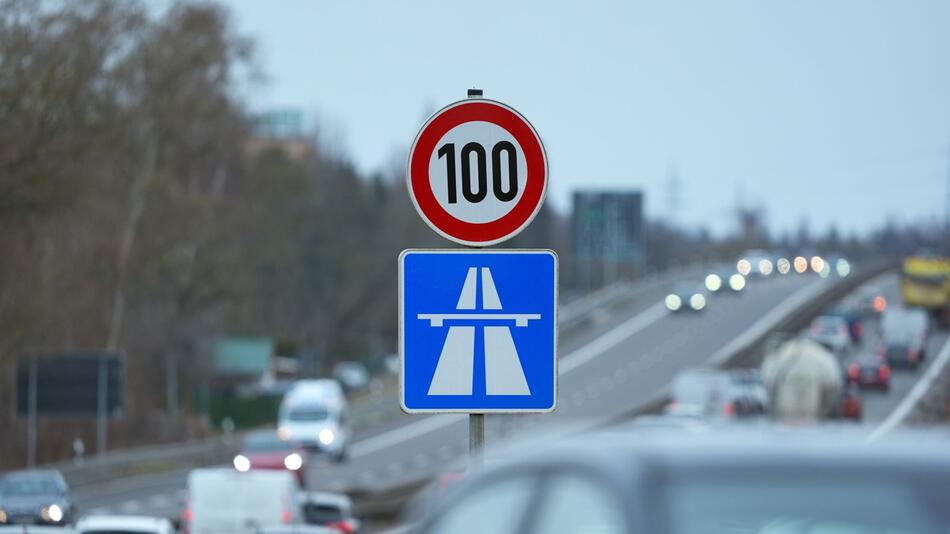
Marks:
<point>607,235</point>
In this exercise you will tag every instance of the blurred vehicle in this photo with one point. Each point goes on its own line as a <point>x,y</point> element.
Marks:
<point>746,393</point>
<point>35,497</point>
<point>831,332</point>
<point>314,416</point>
<point>331,510</point>
<point>724,281</point>
<point>124,524</point>
<point>768,482</point>
<point>803,380</point>
<point>904,335</point>
<point>700,392</point>
<point>851,404</point>
<point>265,450</point>
<point>851,313</point>
<point>351,375</point>
<point>870,371</point>
<point>755,263</point>
<point>925,283</point>
<point>685,297</point>
<point>225,501</point>
<point>296,529</point>
<point>870,300</point>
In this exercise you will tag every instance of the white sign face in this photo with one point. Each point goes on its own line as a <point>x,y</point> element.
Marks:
<point>491,189</point>
<point>477,172</point>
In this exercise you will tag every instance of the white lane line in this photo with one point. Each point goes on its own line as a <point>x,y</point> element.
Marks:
<point>913,397</point>
<point>568,363</point>
<point>767,322</point>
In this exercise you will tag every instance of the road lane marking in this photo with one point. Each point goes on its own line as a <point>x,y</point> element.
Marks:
<point>913,397</point>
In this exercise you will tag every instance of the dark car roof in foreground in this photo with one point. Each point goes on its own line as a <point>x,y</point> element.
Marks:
<point>832,446</point>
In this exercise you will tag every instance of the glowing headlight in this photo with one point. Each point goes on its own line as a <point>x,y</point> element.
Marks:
<point>3,516</point>
<point>242,463</point>
<point>801,264</point>
<point>843,267</point>
<point>817,264</point>
<point>825,270</point>
<point>744,267</point>
<point>326,436</point>
<point>765,267</point>
<point>737,282</point>
<point>283,433</point>
<point>673,302</point>
<point>783,265</point>
<point>713,282</point>
<point>52,513</point>
<point>293,461</point>
<point>697,301</point>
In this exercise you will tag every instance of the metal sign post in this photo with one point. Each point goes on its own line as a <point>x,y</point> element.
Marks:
<point>476,421</point>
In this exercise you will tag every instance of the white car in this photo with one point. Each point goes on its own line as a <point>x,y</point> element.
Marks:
<point>313,415</point>
<point>126,524</point>
<point>831,332</point>
<point>226,501</point>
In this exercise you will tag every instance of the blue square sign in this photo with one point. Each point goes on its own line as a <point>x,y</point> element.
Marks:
<point>478,331</point>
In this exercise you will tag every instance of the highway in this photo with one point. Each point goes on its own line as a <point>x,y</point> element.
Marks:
<point>625,358</point>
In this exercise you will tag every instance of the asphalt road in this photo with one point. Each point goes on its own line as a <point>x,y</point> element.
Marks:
<point>624,358</point>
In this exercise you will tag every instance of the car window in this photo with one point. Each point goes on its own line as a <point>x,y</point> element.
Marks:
<point>579,505</point>
<point>496,508</point>
<point>318,514</point>
<point>29,487</point>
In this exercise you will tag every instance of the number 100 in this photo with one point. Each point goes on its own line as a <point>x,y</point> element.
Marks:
<point>475,191</point>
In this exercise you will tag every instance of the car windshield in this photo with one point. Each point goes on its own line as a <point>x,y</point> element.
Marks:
<point>28,487</point>
<point>266,443</point>
<point>799,507</point>
<point>309,413</point>
<point>320,514</point>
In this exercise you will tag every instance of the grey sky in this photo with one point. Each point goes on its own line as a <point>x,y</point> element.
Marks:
<point>835,111</point>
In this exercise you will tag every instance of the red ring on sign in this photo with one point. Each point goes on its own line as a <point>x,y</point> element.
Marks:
<point>508,225</point>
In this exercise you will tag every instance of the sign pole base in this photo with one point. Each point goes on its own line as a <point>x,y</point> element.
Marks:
<point>476,439</point>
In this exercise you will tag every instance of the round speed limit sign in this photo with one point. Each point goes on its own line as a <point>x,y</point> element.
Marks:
<point>477,172</point>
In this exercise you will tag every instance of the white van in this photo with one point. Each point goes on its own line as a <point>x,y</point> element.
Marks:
<point>225,501</point>
<point>313,414</point>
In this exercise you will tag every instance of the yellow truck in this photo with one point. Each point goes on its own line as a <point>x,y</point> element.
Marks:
<point>925,283</point>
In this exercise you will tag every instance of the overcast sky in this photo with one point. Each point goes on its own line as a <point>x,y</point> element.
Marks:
<point>838,112</point>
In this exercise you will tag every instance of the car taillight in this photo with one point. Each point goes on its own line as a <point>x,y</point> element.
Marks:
<point>729,409</point>
<point>854,371</point>
<point>858,329</point>
<point>884,372</point>
<point>286,517</point>
<point>879,304</point>
<point>346,527</point>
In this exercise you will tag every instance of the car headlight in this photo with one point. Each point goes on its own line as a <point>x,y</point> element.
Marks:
<point>744,267</point>
<point>293,461</point>
<point>52,513</point>
<point>283,433</point>
<point>737,282</point>
<point>801,264</point>
<point>3,516</point>
<point>242,463</point>
<point>326,436</point>
<point>697,301</point>
<point>843,267</point>
<point>817,264</point>
<point>783,265</point>
<point>713,282</point>
<point>765,267</point>
<point>673,302</point>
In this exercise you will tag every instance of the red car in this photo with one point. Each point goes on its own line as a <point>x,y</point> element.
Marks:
<point>870,371</point>
<point>851,404</point>
<point>265,450</point>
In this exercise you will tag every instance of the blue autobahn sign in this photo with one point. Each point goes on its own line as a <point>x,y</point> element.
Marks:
<point>478,331</point>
